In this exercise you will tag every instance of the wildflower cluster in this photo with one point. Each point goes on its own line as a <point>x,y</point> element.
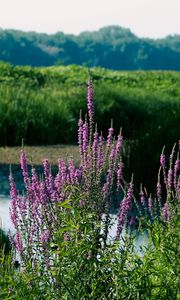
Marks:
<point>96,183</point>
<point>167,189</point>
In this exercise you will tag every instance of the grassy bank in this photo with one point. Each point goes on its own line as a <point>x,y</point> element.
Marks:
<point>35,154</point>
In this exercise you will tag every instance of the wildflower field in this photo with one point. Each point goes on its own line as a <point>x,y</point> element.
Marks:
<point>62,248</point>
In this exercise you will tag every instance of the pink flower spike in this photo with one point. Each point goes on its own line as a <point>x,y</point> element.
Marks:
<point>150,204</point>
<point>119,144</point>
<point>119,174</point>
<point>18,242</point>
<point>80,136</point>
<point>162,160</point>
<point>166,212</point>
<point>44,237</point>
<point>142,198</point>
<point>125,207</point>
<point>24,168</point>
<point>158,190</point>
<point>110,136</point>
<point>90,101</point>
<point>46,168</point>
<point>176,171</point>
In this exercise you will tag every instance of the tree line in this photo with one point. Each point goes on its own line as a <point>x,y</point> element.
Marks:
<point>110,47</point>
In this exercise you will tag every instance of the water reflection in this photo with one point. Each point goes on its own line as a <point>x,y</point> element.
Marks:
<point>4,213</point>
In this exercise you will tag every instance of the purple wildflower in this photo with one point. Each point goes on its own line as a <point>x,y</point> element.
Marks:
<point>106,187</point>
<point>178,190</point>
<point>169,179</point>
<point>85,137</point>
<point>18,242</point>
<point>58,182</point>
<point>85,142</point>
<point>176,170</point>
<point>90,101</point>
<point>71,169</point>
<point>78,175</point>
<point>119,144</point>
<point>158,190</point>
<point>166,212</point>
<point>112,155</point>
<point>150,204</point>
<point>35,185</point>
<point>34,216</point>
<point>43,193</point>
<point>31,235</point>
<point>125,206</point>
<point>24,168</point>
<point>119,174</point>
<point>44,237</point>
<point>162,160</point>
<point>23,205</point>
<point>95,146</point>
<point>61,176</point>
<point>110,136</point>
<point>35,180</point>
<point>13,197</point>
<point>142,197</point>
<point>46,168</point>
<point>63,170</point>
<point>80,136</point>
<point>100,154</point>
<point>109,176</point>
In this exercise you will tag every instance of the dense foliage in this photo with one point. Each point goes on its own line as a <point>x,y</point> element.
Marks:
<point>65,249</point>
<point>5,244</point>
<point>110,47</point>
<point>42,105</point>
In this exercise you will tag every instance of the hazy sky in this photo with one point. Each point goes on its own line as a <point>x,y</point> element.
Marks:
<point>146,18</point>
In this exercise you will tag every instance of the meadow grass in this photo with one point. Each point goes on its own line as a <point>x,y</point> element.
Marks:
<point>42,105</point>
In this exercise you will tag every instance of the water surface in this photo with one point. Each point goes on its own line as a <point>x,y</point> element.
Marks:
<point>4,213</point>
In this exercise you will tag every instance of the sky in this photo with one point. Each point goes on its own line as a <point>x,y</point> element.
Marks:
<point>145,18</point>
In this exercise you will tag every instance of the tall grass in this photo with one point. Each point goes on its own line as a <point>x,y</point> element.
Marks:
<point>42,105</point>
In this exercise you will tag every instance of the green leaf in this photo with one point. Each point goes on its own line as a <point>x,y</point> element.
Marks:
<point>65,203</point>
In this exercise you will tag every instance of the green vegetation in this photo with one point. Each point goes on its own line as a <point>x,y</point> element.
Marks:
<point>42,105</point>
<point>62,223</point>
<point>110,47</point>
<point>5,245</point>
<point>118,274</point>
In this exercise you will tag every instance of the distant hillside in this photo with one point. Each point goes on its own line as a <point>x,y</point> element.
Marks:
<point>111,47</point>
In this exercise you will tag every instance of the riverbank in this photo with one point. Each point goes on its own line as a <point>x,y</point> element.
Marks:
<point>36,154</point>
<point>9,156</point>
